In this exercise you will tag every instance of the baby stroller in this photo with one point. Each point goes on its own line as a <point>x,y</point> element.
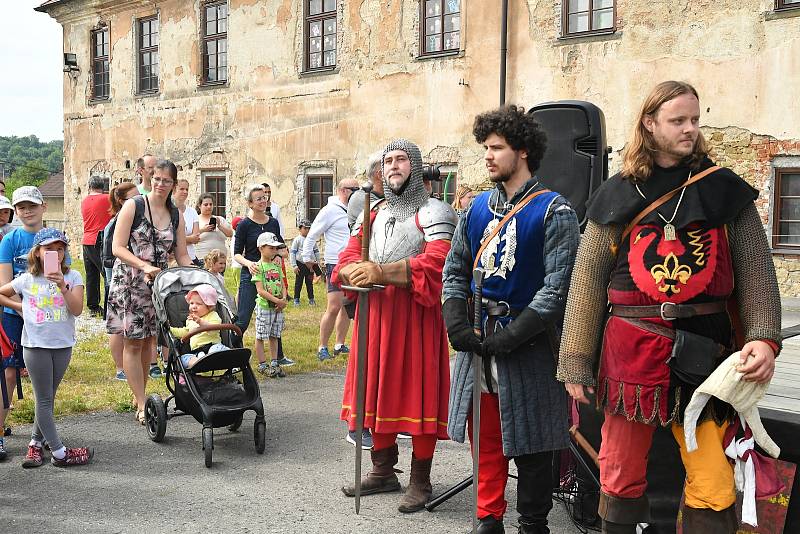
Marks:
<point>227,386</point>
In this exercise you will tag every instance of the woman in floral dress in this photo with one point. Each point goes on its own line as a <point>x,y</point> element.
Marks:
<point>130,307</point>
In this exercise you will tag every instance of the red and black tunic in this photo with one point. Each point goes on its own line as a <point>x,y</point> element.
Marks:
<point>634,378</point>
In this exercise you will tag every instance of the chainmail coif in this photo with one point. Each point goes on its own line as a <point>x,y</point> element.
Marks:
<point>414,195</point>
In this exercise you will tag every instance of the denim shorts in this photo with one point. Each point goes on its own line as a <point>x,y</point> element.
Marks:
<point>332,286</point>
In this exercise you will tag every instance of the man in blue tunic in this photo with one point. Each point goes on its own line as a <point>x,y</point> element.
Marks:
<point>527,259</point>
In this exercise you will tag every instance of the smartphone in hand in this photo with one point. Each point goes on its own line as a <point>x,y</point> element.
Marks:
<point>51,265</point>
<point>213,221</point>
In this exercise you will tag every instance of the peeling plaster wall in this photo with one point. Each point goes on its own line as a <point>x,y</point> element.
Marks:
<point>271,121</point>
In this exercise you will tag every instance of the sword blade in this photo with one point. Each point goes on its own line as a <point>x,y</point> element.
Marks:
<point>361,385</point>
<point>363,344</point>
<point>477,276</point>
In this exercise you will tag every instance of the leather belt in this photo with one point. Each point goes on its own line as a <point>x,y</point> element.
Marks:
<point>499,308</point>
<point>669,311</point>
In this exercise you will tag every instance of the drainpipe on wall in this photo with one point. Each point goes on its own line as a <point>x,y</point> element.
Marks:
<point>503,51</point>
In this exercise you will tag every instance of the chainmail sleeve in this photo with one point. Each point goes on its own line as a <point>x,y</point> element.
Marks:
<point>586,304</point>
<point>756,287</point>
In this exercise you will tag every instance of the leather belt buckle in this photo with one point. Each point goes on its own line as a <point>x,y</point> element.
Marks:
<point>663,310</point>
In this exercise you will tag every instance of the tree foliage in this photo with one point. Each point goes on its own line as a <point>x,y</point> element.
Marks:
<point>28,161</point>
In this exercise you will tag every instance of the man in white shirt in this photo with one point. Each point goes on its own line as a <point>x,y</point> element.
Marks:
<point>331,222</point>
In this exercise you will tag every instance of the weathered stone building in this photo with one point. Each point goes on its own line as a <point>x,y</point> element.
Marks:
<point>300,92</point>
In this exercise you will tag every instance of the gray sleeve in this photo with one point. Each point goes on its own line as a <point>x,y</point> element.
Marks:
<point>457,272</point>
<point>756,285</point>
<point>355,207</point>
<point>561,234</point>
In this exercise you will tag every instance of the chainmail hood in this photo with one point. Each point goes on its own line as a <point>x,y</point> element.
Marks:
<point>413,195</point>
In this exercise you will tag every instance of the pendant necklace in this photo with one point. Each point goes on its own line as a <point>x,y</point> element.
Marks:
<point>669,229</point>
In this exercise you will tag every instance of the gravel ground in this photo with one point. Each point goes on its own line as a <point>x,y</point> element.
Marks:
<point>134,484</point>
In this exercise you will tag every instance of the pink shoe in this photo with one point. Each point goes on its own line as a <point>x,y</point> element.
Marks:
<point>78,456</point>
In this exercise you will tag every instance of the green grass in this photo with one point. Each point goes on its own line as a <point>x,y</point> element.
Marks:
<point>89,384</point>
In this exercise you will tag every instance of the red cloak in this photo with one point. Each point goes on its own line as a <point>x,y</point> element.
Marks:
<point>408,362</point>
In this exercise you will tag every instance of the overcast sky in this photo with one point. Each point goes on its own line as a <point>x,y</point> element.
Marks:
<point>31,61</point>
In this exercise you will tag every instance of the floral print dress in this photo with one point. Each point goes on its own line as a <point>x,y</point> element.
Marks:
<point>130,309</point>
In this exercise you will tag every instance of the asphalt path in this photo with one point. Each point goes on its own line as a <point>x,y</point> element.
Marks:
<point>136,485</point>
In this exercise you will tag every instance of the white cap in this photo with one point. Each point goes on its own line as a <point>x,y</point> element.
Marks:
<point>27,193</point>
<point>268,238</point>
<point>5,204</point>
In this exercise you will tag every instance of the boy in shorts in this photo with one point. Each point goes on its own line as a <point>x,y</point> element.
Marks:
<point>270,302</point>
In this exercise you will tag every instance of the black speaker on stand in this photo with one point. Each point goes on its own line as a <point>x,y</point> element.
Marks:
<point>576,160</point>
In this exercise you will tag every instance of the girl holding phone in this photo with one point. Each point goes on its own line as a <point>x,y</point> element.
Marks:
<point>52,296</point>
<point>214,230</point>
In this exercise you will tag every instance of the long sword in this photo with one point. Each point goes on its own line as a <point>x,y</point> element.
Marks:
<point>477,277</point>
<point>363,343</point>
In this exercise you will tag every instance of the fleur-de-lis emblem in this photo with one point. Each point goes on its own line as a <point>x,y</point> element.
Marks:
<point>670,274</point>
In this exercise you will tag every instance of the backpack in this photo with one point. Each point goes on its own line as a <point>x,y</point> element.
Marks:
<point>106,255</point>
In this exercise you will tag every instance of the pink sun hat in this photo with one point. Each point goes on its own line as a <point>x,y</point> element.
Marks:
<point>206,292</point>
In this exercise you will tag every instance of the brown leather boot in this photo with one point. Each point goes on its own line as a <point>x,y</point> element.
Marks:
<point>620,516</point>
<point>418,492</point>
<point>708,521</point>
<point>382,477</point>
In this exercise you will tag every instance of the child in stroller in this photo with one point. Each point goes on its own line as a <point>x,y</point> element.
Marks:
<point>218,388</point>
<point>202,301</point>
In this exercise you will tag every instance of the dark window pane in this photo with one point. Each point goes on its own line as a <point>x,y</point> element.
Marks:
<point>790,183</point>
<point>790,209</point>
<point>452,23</point>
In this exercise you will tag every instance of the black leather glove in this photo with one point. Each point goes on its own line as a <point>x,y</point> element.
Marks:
<point>459,326</point>
<point>523,328</point>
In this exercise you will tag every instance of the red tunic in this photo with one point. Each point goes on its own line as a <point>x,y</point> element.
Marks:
<point>408,364</point>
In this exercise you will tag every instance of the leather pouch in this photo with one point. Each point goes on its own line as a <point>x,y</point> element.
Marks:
<point>693,357</point>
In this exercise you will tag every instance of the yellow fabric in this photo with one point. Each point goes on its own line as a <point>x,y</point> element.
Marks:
<point>709,474</point>
<point>200,339</point>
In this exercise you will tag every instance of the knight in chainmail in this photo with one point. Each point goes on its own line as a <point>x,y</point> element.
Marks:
<point>669,280</point>
<point>525,238</point>
<point>408,371</point>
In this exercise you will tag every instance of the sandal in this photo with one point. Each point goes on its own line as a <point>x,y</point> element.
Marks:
<point>140,417</point>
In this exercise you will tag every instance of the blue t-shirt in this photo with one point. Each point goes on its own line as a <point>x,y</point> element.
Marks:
<point>14,249</point>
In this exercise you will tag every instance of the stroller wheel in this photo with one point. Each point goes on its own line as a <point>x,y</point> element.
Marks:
<point>260,435</point>
<point>233,427</point>
<point>208,444</point>
<point>155,415</point>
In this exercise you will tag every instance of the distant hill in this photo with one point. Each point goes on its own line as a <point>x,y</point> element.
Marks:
<point>28,161</point>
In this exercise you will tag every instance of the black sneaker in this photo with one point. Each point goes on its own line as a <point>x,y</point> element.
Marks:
<point>285,362</point>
